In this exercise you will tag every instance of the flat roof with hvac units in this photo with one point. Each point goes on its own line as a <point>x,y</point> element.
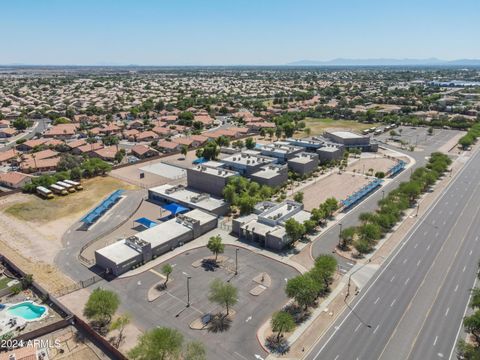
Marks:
<point>187,197</point>
<point>140,248</point>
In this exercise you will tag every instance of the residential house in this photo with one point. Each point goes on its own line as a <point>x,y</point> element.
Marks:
<point>143,151</point>
<point>14,179</point>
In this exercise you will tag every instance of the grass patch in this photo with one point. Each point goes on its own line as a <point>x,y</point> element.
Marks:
<point>318,126</point>
<point>39,210</point>
<point>3,282</point>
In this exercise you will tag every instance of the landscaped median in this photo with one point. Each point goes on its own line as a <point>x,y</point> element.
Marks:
<point>392,208</point>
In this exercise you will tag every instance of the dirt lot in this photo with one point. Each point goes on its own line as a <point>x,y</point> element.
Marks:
<point>318,126</point>
<point>378,163</point>
<point>337,185</point>
<point>31,228</point>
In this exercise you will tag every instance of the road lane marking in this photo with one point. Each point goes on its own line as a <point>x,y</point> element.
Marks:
<point>415,246</point>
<point>419,262</point>
<point>464,268</point>
<point>405,260</point>
<point>470,253</point>
<point>358,326</point>
<point>428,247</point>
<point>393,278</point>
<point>336,357</point>
<point>376,301</point>
<point>446,312</point>
<point>393,302</point>
<point>392,258</point>
<point>374,331</point>
<point>435,341</point>
<point>406,281</point>
<point>456,288</point>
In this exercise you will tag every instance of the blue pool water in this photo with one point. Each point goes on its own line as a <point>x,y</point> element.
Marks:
<point>27,310</point>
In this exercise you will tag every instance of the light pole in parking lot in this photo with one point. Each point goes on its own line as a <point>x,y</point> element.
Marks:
<point>339,235</point>
<point>188,290</point>
<point>236,261</point>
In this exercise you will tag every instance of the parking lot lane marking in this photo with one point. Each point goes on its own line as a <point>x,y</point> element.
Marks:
<point>419,262</point>
<point>393,278</point>
<point>456,288</point>
<point>376,301</point>
<point>153,271</point>
<point>374,331</point>
<point>435,341</point>
<point>241,356</point>
<point>358,326</point>
<point>393,302</point>
<point>446,312</point>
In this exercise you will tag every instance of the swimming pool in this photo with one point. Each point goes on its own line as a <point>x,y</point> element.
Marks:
<point>27,310</point>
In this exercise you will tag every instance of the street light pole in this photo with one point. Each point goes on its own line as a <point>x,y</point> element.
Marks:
<point>340,235</point>
<point>188,290</point>
<point>236,261</point>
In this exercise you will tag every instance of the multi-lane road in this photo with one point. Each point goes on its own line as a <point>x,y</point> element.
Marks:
<point>412,308</point>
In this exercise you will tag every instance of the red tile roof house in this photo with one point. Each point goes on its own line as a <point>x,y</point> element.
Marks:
<point>187,141</point>
<point>147,136</point>
<point>205,119</point>
<point>200,138</point>
<point>169,119</point>
<point>260,125</point>
<point>107,153</point>
<point>31,144</point>
<point>14,179</point>
<point>7,132</point>
<point>76,143</point>
<point>168,146</point>
<point>9,156</point>
<point>131,134</point>
<point>163,132</point>
<point>143,151</point>
<point>136,124</point>
<point>40,155</point>
<point>87,148</point>
<point>110,129</point>
<point>61,131</point>
<point>4,124</point>
<point>32,165</point>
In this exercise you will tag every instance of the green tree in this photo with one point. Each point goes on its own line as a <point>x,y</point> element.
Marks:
<point>158,344</point>
<point>223,294</point>
<point>195,351</point>
<point>298,197</point>
<point>295,231</point>
<point>303,289</point>
<point>472,325</point>
<point>167,269</point>
<point>119,324</point>
<point>346,237</point>
<point>362,246</point>
<point>281,322</point>
<point>309,226</point>
<point>20,123</point>
<point>325,267</point>
<point>250,143</point>
<point>370,232</point>
<point>216,246</point>
<point>101,306</point>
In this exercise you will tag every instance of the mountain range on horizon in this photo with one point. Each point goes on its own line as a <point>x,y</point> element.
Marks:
<point>385,62</point>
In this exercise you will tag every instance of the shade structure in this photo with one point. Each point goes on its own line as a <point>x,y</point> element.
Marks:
<point>146,222</point>
<point>175,208</point>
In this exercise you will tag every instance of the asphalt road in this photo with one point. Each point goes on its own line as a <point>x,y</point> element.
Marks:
<point>413,307</point>
<point>328,240</point>
<point>40,127</point>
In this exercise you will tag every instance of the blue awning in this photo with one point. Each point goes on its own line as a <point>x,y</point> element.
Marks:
<point>200,160</point>
<point>175,208</point>
<point>146,222</point>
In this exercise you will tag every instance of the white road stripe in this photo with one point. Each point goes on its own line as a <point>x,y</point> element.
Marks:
<point>393,302</point>
<point>376,301</point>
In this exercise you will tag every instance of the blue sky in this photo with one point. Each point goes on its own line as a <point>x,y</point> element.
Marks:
<point>226,32</point>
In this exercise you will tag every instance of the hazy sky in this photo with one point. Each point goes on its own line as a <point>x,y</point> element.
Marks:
<point>216,32</point>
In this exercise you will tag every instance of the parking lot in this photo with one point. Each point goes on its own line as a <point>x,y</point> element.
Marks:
<point>239,342</point>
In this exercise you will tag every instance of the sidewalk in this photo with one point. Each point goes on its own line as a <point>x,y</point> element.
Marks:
<point>202,241</point>
<point>307,335</point>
